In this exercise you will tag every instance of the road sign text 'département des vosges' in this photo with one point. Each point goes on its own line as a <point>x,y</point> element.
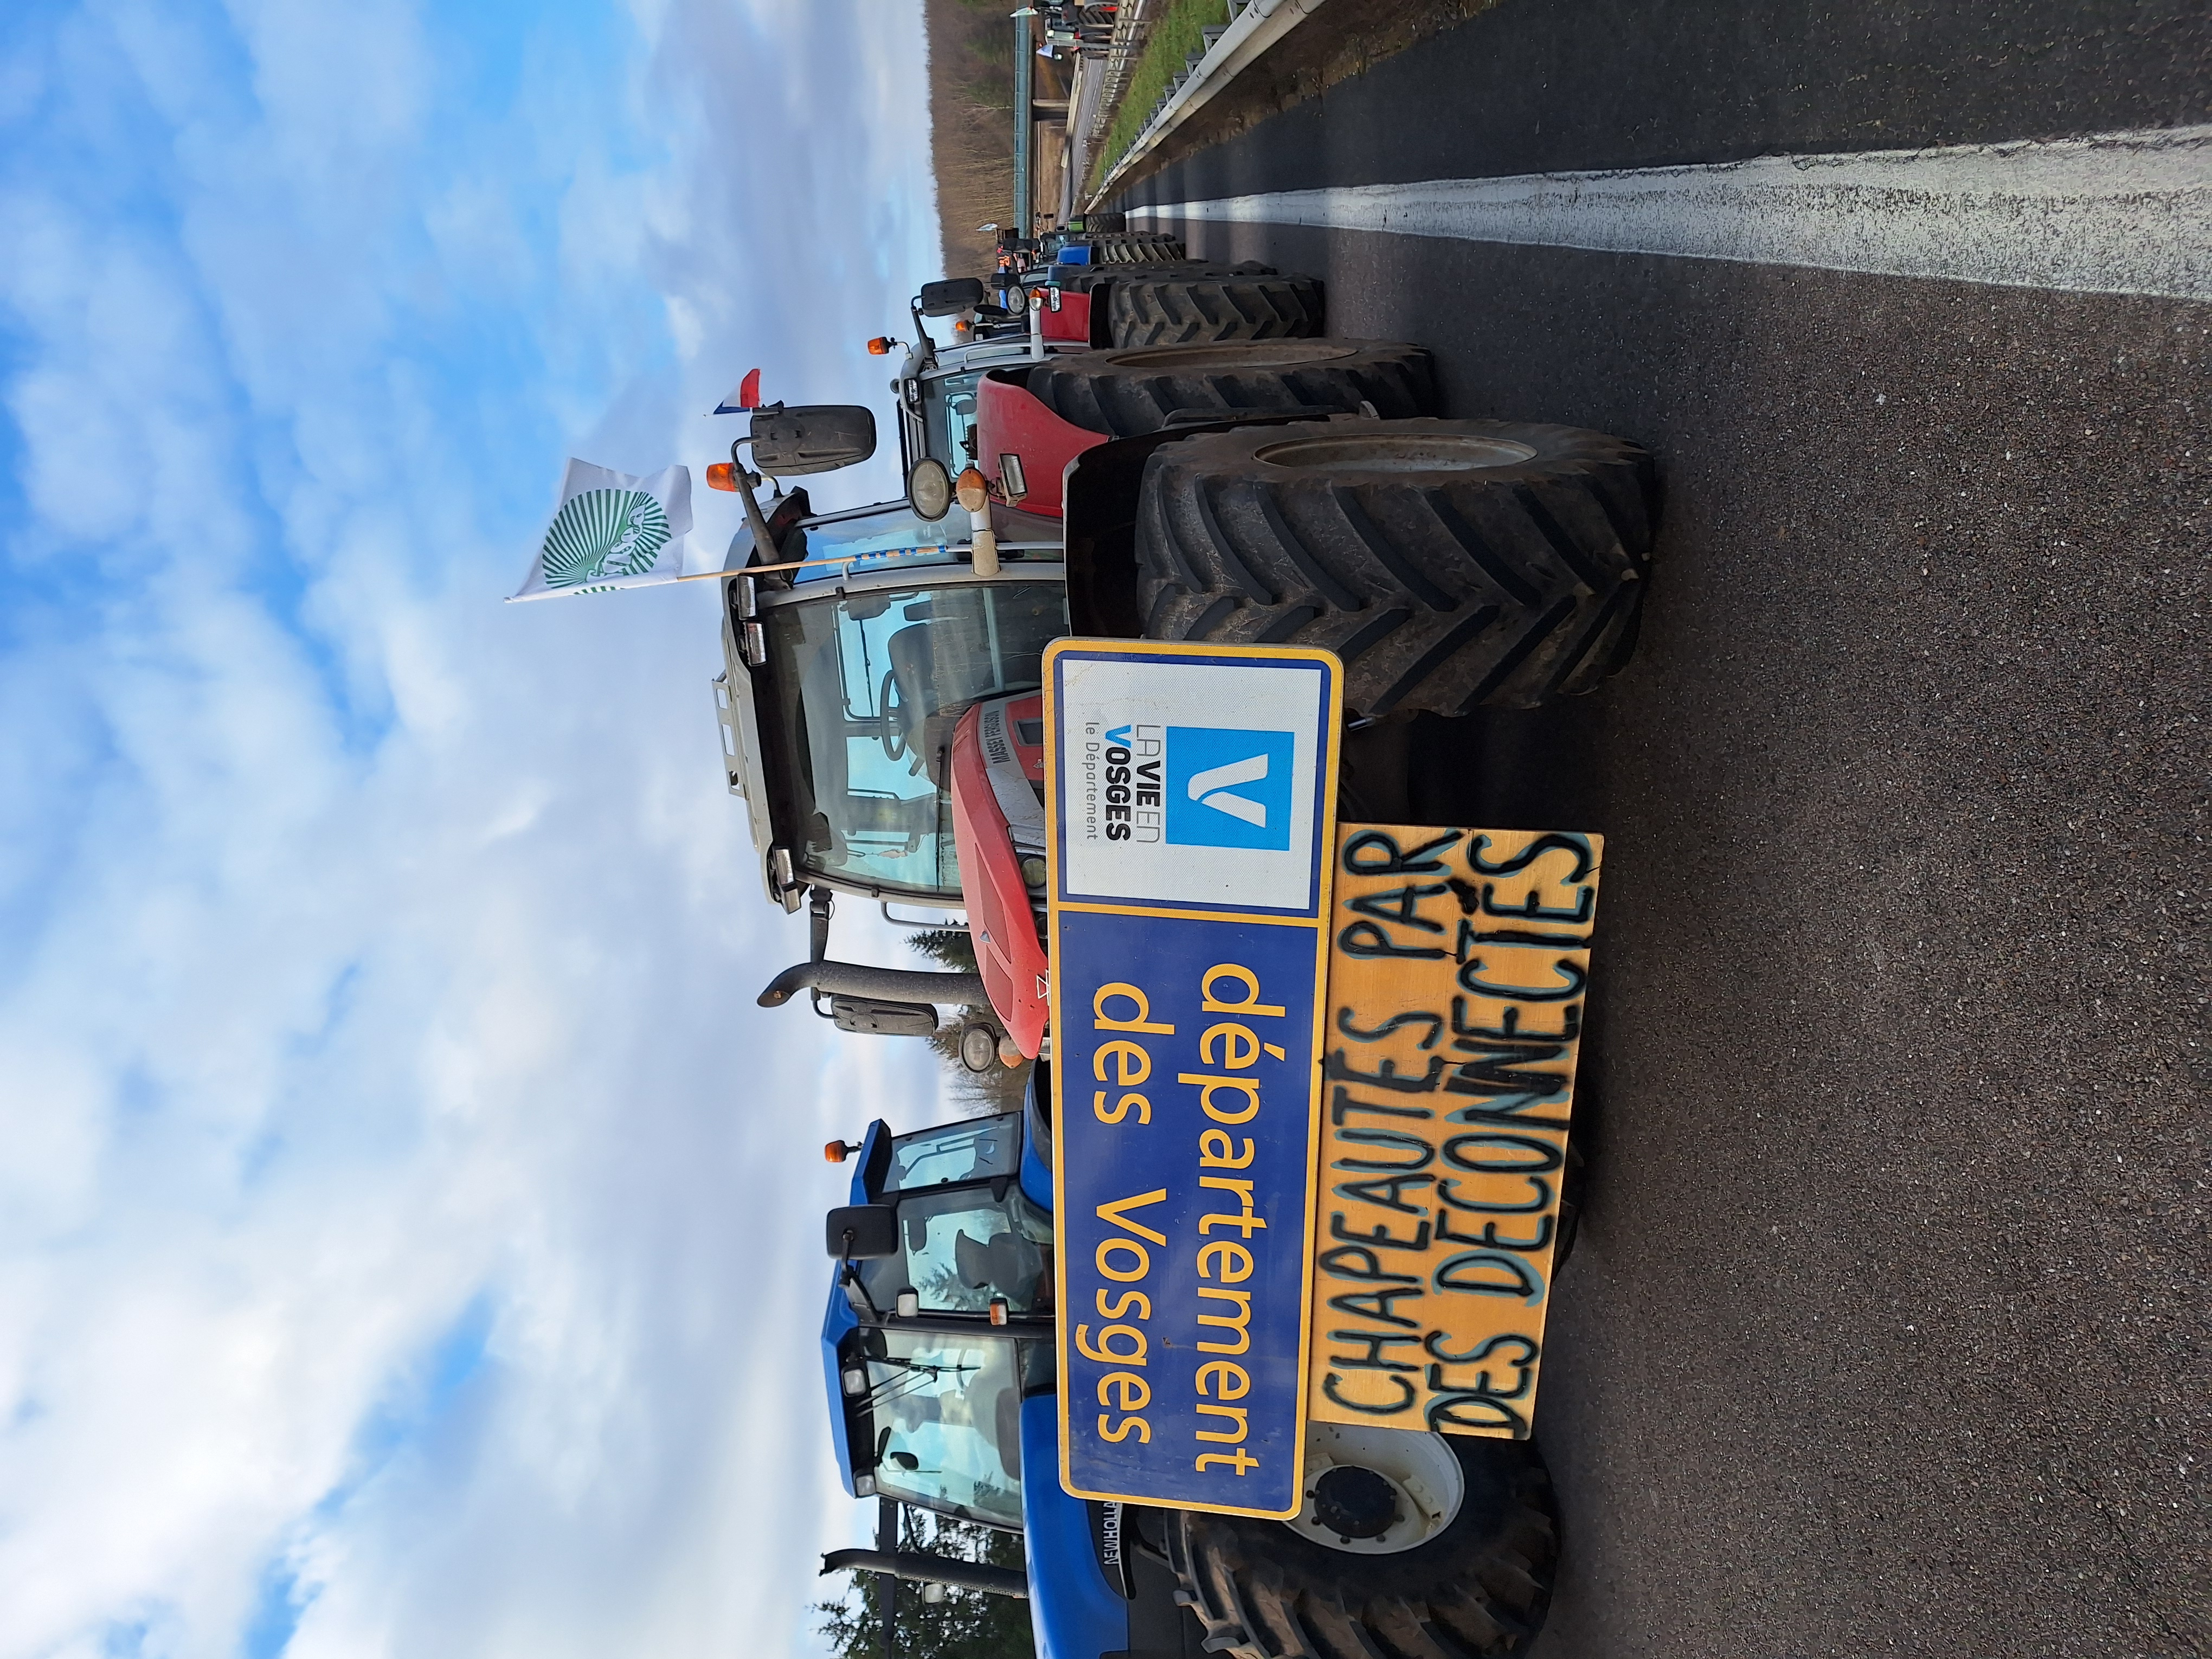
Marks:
<point>1192,795</point>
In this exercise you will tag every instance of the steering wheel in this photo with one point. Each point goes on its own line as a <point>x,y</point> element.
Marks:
<point>892,722</point>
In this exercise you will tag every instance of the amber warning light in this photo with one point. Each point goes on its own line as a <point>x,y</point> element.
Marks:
<point>721,475</point>
<point>838,1151</point>
<point>970,490</point>
<point>880,346</point>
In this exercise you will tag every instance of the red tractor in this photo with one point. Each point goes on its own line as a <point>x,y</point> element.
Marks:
<point>881,689</point>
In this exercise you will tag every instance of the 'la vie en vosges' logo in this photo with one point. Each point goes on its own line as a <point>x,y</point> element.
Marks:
<point>1223,785</point>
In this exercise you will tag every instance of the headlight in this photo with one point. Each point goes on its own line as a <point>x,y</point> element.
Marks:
<point>929,489</point>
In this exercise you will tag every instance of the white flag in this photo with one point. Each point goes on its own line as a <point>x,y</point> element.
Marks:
<point>612,531</point>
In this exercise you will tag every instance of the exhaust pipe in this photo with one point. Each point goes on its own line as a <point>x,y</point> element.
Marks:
<point>851,978</point>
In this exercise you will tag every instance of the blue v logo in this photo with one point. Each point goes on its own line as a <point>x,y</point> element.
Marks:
<point>1229,788</point>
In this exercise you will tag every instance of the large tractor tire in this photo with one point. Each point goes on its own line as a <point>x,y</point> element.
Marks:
<point>1451,564</point>
<point>1480,1588</point>
<point>1173,310</point>
<point>1082,279</point>
<point>1133,247</point>
<point>1126,246</point>
<point>1125,394</point>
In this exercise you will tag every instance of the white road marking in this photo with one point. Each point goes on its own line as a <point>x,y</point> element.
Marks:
<point>2118,213</point>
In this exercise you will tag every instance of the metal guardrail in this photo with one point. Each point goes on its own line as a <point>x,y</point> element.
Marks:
<point>1254,27</point>
<point>1133,26</point>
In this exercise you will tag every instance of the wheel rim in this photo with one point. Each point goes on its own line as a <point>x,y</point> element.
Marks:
<point>1379,452</point>
<point>1400,1487</point>
<point>1266,354</point>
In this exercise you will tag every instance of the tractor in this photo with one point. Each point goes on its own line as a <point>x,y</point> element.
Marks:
<point>881,701</point>
<point>881,697</point>
<point>938,1351</point>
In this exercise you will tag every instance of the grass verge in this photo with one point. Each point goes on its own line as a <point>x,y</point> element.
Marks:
<point>1174,36</point>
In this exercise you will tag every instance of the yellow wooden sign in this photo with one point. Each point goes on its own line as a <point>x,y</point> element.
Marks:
<point>1458,960</point>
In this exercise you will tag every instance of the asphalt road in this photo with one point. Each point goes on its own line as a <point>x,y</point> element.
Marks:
<point>1887,1331</point>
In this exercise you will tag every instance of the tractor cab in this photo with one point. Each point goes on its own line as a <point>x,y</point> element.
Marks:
<point>854,640</point>
<point>938,1350</point>
<point>937,382</point>
<point>841,695</point>
<point>882,667</point>
<point>939,1318</point>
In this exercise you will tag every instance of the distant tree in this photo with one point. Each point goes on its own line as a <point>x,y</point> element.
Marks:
<point>948,947</point>
<point>991,69</point>
<point>966,1625</point>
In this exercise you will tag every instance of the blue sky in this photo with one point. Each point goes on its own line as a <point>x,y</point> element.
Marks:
<point>408,1230</point>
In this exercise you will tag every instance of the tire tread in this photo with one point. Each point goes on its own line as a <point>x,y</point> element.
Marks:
<point>1442,590</point>
<point>1479,1592</point>
<point>1101,391</point>
<point>1196,310</point>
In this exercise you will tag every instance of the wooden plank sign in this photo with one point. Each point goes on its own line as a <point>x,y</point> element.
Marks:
<point>1458,960</point>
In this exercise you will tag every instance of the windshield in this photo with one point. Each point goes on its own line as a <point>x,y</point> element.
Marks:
<point>948,418</point>
<point>869,541</point>
<point>942,1419</point>
<point>870,686</point>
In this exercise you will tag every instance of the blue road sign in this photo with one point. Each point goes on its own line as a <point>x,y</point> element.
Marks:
<point>1191,802</point>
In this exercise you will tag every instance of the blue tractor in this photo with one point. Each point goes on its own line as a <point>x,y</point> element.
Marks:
<point>938,1347</point>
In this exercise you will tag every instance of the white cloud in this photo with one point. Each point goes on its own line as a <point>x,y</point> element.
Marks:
<point>379,962</point>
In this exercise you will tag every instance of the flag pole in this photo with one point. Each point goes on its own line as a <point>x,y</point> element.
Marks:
<point>716,575</point>
<point>774,569</point>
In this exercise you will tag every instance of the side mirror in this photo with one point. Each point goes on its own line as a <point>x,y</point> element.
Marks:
<point>863,1232</point>
<point>872,1017</point>
<point>951,296</point>
<point>789,443</point>
<point>929,489</point>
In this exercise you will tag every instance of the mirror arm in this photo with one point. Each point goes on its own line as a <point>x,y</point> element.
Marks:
<point>849,1276</point>
<point>763,542</point>
<point>818,906</point>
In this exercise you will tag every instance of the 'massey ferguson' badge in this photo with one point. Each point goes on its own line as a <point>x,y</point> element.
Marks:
<point>1457,966</point>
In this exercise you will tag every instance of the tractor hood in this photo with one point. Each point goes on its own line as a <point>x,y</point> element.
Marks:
<point>998,821</point>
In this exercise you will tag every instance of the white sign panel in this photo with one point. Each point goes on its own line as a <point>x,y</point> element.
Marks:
<point>1192,776</point>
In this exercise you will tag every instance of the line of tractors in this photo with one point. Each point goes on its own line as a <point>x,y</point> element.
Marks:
<point>1112,440</point>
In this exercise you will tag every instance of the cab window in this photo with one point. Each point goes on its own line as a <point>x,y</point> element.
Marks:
<point>948,416</point>
<point>960,1151</point>
<point>967,1234</point>
<point>870,684</point>
<point>960,1247</point>
<point>942,1421</point>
